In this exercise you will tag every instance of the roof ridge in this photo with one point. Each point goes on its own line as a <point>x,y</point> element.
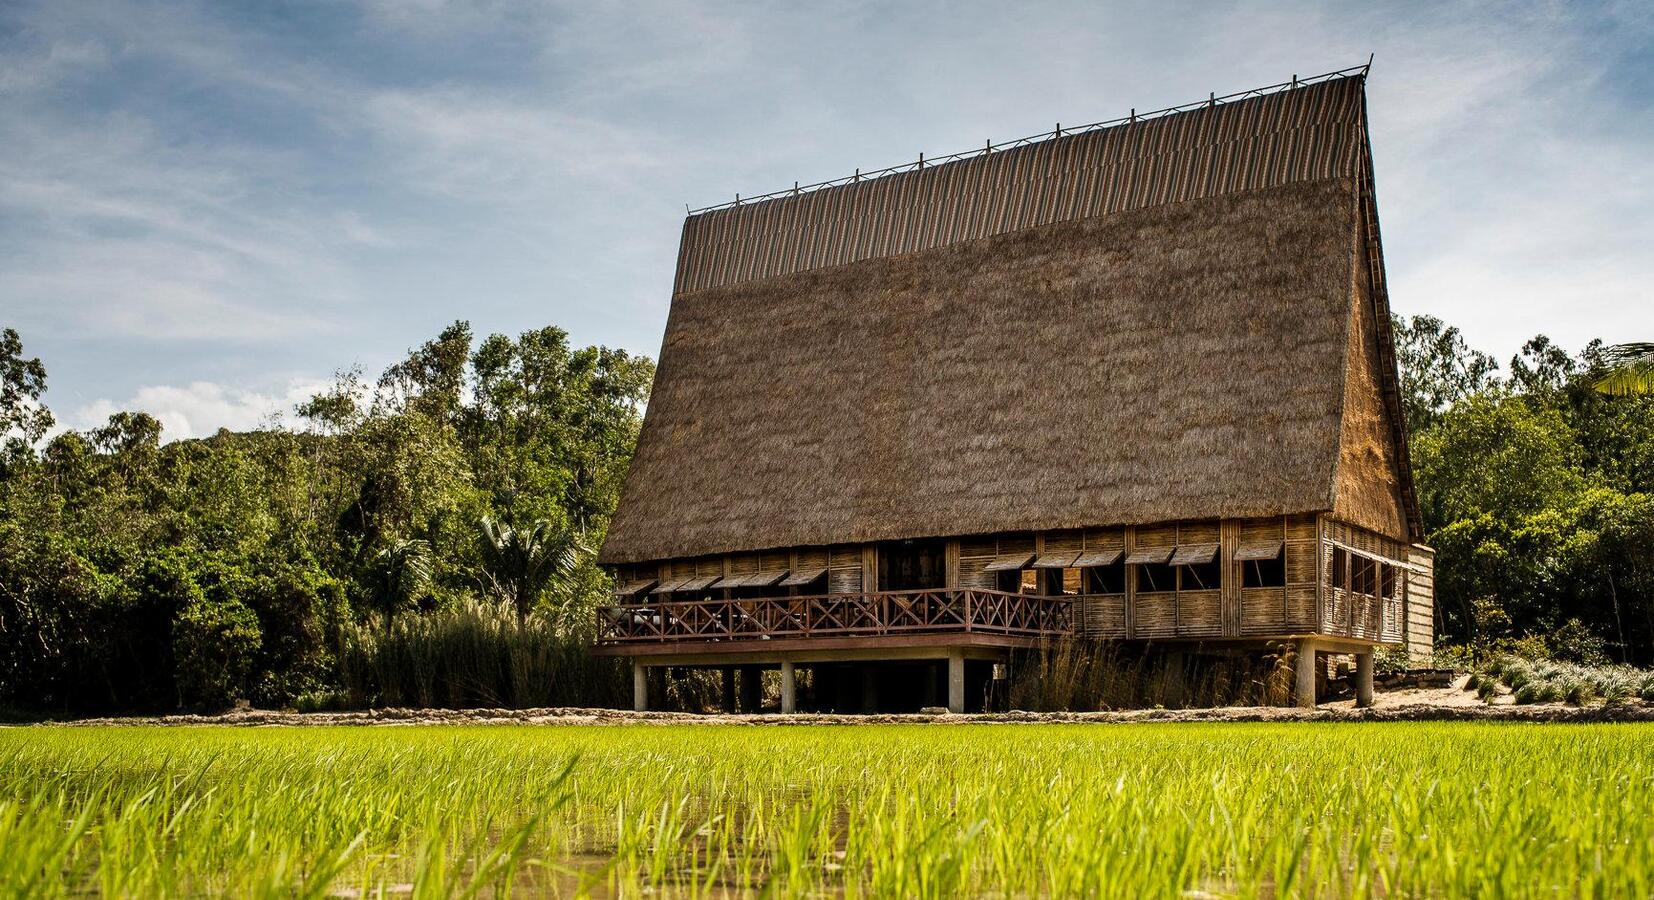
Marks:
<point>1133,117</point>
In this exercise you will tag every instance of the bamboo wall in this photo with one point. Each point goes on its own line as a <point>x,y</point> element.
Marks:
<point>1307,603</point>
<point>1420,627</point>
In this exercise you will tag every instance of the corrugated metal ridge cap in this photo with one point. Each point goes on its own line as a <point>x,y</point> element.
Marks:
<point>1034,140</point>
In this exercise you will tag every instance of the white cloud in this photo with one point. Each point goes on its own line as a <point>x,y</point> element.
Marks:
<point>201,408</point>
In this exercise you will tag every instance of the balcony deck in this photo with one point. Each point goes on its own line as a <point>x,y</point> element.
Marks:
<point>922,618</point>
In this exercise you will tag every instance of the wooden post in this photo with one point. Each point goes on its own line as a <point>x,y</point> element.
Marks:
<point>1364,678</point>
<point>1306,674</point>
<point>1174,678</point>
<point>789,688</point>
<point>869,689</point>
<point>956,680</point>
<point>729,689</point>
<point>752,697</point>
<point>640,687</point>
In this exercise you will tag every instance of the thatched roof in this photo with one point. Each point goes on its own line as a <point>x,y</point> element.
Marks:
<point>1170,352</point>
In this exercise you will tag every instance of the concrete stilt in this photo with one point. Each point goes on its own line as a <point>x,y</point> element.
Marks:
<point>640,687</point>
<point>1364,679</point>
<point>869,689</point>
<point>789,688</point>
<point>752,695</point>
<point>1306,674</point>
<point>956,681</point>
<point>729,689</point>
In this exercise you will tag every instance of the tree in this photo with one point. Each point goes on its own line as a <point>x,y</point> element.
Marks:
<point>399,572</point>
<point>23,420</point>
<point>1633,372</point>
<point>1437,369</point>
<point>521,563</point>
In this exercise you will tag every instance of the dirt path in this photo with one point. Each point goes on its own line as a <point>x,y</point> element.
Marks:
<point>1452,703</point>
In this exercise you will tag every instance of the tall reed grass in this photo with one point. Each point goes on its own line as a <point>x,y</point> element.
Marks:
<point>476,655</point>
<point>1442,810</point>
<point>1083,675</point>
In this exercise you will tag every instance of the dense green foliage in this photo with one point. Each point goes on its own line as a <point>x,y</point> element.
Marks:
<point>1168,810</point>
<point>274,565</point>
<point>1537,492</point>
<point>136,575</point>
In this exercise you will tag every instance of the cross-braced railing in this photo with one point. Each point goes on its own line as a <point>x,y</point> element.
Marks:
<point>838,615</point>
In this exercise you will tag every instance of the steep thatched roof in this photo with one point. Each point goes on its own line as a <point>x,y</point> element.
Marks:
<point>1036,346</point>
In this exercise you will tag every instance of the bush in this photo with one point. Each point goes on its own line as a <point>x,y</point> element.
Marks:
<point>215,644</point>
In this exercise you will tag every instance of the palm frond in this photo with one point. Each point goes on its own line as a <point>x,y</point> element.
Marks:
<point>1632,374</point>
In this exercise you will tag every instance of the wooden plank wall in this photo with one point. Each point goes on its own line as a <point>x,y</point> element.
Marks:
<point>1306,604</point>
<point>1420,618</point>
<point>1348,614</point>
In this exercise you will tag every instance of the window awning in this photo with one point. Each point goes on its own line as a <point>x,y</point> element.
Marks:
<point>1093,558</point>
<point>1056,561</point>
<point>804,576</point>
<point>1194,554</point>
<point>1149,555</point>
<point>735,581</point>
<point>1260,550</point>
<point>633,588</point>
<point>699,584</point>
<point>764,579</point>
<point>1010,562</point>
<point>670,585</point>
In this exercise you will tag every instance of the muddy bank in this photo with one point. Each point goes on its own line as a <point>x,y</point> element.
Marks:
<point>1417,712</point>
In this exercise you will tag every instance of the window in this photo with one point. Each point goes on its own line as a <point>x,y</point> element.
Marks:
<point>1340,567</point>
<point>1109,579</point>
<point>1387,582</point>
<point>1263,573</point>
<point>1072,581</point>
<point>1363,576</point>
<point>1207,576</point>
<point>1018,581</point>
<point>1153,577</point>
<point>1263,564</point>
<point>1198,567</point>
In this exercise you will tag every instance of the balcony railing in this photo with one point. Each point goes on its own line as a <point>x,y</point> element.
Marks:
<point>940,611</point>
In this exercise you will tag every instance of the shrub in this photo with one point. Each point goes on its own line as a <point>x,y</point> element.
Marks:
<point>215,644</point>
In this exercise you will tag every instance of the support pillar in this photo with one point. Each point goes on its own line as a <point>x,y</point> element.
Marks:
<point>956,681</point>
<point>640,687</point>
<point>1306,674</point>
<point>1175,665</point>
<point>789,688</point>
<point>752,695</point>
<point>1364,679</point>
<point>869,689</point>
<point>728,698</point>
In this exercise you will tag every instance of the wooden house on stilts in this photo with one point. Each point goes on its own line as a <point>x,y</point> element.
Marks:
<point>1134,381</point>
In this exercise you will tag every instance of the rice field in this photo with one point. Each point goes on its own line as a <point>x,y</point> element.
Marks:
<point>1153,810</point>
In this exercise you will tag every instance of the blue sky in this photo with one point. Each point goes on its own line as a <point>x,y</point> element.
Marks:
<point>206,209</point>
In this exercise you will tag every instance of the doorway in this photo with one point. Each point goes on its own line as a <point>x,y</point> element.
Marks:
<point>912,565</point>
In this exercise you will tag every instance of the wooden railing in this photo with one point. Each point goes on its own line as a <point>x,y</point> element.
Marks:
<point>838,615</point>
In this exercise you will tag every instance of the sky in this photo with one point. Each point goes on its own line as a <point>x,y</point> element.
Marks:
<point>207,209</point>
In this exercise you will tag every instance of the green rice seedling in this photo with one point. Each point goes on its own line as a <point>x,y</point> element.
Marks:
<point>1155,810</point>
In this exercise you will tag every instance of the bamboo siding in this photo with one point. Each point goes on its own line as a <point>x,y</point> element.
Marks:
<point>1229,610</point>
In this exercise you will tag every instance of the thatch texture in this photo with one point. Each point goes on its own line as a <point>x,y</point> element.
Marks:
<point>1175,362</point>
<point>1368,492</point>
